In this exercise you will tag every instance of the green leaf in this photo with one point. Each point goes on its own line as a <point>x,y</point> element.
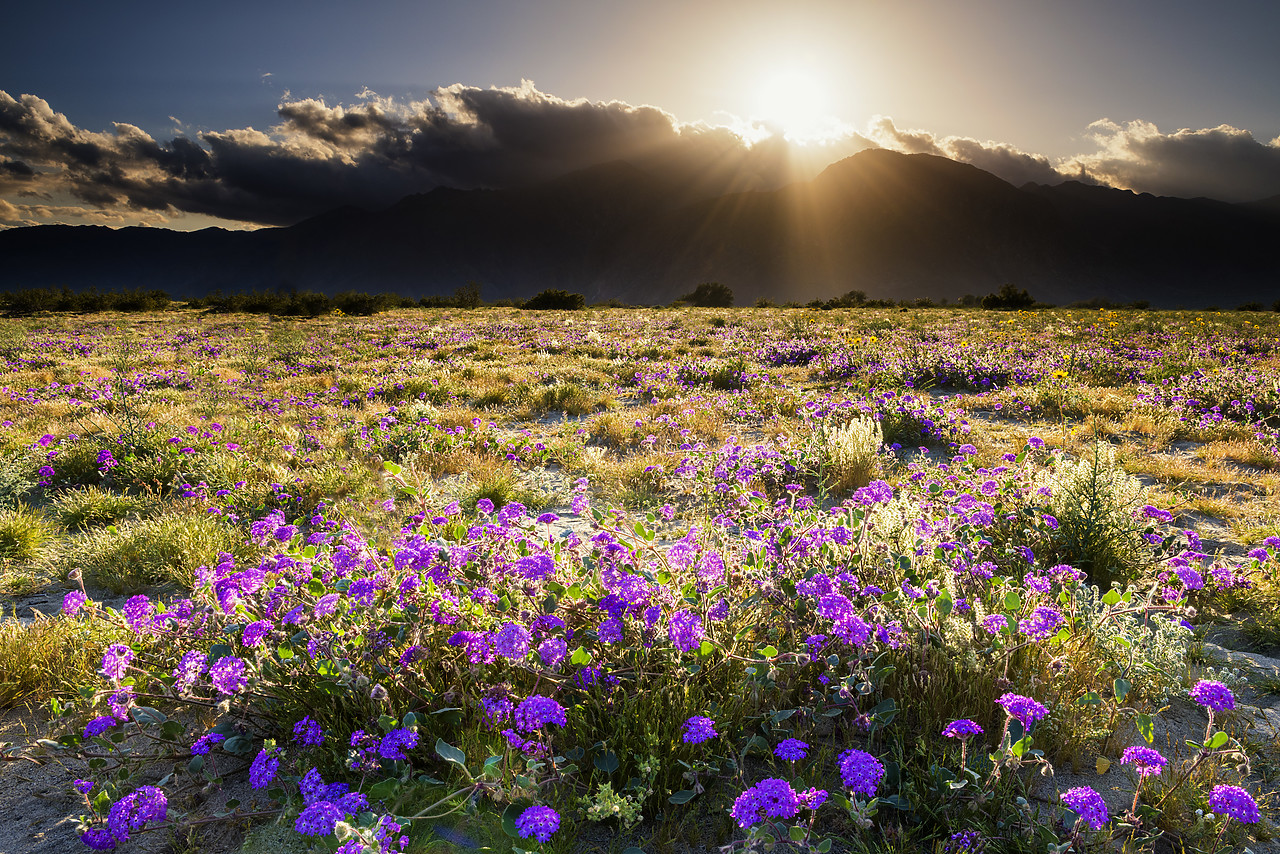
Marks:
<point>944,603</point>
<point>509,816</point>
<point>285,652</point>
<point>449,753</point>
<point>683,796</point>
<point>385,790</point>
<point>1112,597</point>
<point>1012,601</point>
<point>392,468</point>
<point>218,651</point>
<point>768,651</point>
<point>824,846</point>
<point>633,850</point>
<point>1218,740</point>
<point>796,833</point>
<point>196,764</point>
<point>1121,687</point>
<point>1090,699</point>
<point>580,657</point>
<point>1146,727</point>
<point>608,763</point>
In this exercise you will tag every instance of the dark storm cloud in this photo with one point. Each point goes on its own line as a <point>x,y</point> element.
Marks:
<point>372,153</point>
<point>1223,162</point>
<point>377,150</point>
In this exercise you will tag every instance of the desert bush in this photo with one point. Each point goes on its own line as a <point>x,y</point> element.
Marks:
<point>849,453</point>
<point>1097,506</point>
<point>555,300</point>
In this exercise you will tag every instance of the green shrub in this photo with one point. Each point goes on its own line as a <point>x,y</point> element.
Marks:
<point>16,482</point>
<point>556,300</point>
<point>849,453</point>
<point>1096,504</point>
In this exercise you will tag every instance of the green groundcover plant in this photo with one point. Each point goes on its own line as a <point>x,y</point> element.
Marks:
<point>900,663</point>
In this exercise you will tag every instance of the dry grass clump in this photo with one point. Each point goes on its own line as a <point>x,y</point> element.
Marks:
<point>93,506</point>
<point>144,552</point>
<point>24,534</point>
<point>49,656</point>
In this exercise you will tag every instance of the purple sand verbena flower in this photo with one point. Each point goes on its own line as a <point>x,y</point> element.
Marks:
<point>1235,802</point>
<point>791,750</point>
<point>263,770</point>
<point>1145,760</point>
<point>962,729</point>
<point>395,743</point>
<point>1026,710</point>
<point>538,822</point>
<point>1213,695</point>
<point>227,675</point>
<point>698,729</point>
<point>860,772</point>
<point>115,660</point>
<point>319,819</point>
<point>770,798</point>
<point>536,711</point>
<point>1087,804</point>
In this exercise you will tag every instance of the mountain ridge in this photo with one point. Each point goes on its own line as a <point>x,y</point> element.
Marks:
<point>890,224</point>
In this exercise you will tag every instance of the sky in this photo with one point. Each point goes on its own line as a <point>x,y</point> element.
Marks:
<point>244,115</point>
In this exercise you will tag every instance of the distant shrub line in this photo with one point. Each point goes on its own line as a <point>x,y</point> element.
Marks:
<point>28,301</point>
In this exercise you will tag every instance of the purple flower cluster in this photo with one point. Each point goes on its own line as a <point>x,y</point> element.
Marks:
<point>1213,695</point>
<point>1087,804</point>
<point>1147,761</point>
<point>791,750</point>
<point>685,631</point>
<point>308,733</point>
<point>962,729</point>
<point>394,744</point>
<point>538,823</point>
<point>536,711</point>
<point>1023,709</point>
<point>770,798</point>
<point>1235,802</point>
<point>115,661</point>
<point>146,803</point>
<point>698,729</point>
<point>264,768</point>
<point>227,675</point>
<point>860,772</point>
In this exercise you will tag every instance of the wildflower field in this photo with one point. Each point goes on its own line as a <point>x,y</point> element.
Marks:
<point>645,580</point>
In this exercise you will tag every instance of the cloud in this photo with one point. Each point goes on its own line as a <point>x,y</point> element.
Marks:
<point>998,158</point>
<point>12,215</point>
<point>1223,162</point>
<point>372,152</point>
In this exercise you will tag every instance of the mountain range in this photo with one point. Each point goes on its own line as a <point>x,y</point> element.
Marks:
<point>889,224</point>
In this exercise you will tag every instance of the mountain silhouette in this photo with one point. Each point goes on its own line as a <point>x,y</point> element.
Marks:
<point>892,225</point>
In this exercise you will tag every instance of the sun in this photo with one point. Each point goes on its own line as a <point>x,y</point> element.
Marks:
<point>797,102</point>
